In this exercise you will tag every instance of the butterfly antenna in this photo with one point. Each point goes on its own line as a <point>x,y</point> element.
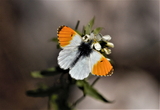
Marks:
<point>76,28</point>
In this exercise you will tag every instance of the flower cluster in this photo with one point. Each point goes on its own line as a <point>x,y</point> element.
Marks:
<point>100,43</point>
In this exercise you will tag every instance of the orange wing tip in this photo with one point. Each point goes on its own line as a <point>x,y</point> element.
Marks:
<point>102,68</point>
<point>109,74</point>
<point>65,35</point>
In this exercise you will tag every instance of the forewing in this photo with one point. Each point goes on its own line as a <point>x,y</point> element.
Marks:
<point>66,57</point>
<point>68,37</point>
<point>81,69</point>
<point>99,65</point>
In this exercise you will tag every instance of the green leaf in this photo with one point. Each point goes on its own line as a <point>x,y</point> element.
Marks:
<point>52,102</point>
<point>40,92</point>
<point>54,39</point>
<point>36,74</point>
<point>89,90</point>
<point>79,32</point>
<point>58,95</point>
<point>87,30</point>
<point>43,90</point>
<point>58,99</point>
<point>97,30</point>
<point>42,86</point>
<point>88,27</point>
<point>48,72</point>
<point>91,23</point>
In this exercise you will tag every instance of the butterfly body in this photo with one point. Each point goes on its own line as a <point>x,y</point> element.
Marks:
<point>79,56</point>
<point>84,50</point>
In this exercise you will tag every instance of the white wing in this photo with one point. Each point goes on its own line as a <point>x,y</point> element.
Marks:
<point>69,41</point>
<point>66,57</point>
<point>94,58</point>
<point>76,41</point>
<point>81,69</point>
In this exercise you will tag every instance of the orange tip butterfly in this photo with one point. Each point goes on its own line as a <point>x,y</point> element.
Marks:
<point>79,56</point>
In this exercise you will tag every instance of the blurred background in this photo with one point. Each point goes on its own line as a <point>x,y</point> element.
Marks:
<point>27,26</point>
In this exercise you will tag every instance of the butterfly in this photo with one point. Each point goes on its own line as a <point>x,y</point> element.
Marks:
<point>79,56</point>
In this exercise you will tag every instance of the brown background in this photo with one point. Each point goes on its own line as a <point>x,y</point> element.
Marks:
<point>26,27</point>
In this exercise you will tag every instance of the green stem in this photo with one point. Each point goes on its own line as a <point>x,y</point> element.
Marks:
<point>94,82</point>
<point>49,99</point>
<point>78,100</point>
<point>82,97</point>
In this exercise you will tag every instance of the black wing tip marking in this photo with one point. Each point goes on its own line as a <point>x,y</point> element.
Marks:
<point>60,28</point>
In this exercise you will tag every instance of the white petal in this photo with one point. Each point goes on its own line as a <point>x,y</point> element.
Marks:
<point>106,38</point>
<point>92,36</point>
<point>97,46</point>
<point>98,37</point>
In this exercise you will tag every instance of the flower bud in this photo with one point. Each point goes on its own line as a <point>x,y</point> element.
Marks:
<point>98,37</point>
<point>107,51</point>
<point>106,38</point>
<point>110,44</point>
<point>97,46</point>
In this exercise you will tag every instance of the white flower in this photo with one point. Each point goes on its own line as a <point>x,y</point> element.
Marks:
<point>100,42</point>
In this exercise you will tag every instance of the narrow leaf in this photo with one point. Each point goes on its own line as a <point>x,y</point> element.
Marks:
<point>79,33</point>
<point>89,90</point>
<point>40,92</point>
<point>91,23</point>
<point>97,30</point>
<point>88,27</point>
<point>48,72</point>
<point>43,90</point>
<point>54,39</point>
<point>36,74</point>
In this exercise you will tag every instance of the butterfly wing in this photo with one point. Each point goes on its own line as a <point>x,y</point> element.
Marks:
<point>68,37</point>
<point>66,57</point>
<point>99,65</point>
<point>96,63</point>
<point>81,69</point>
<point>68,40</point>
